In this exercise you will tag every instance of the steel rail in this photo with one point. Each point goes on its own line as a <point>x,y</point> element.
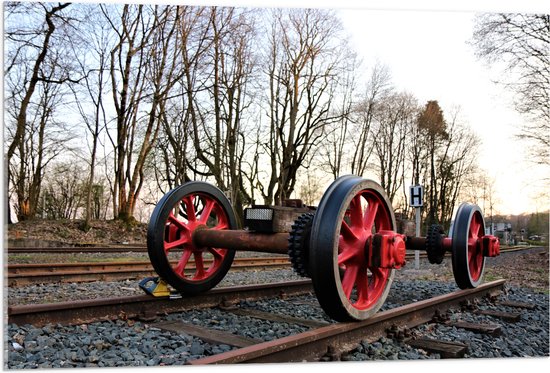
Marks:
<point>145,307</point>
<point>315,343</point>
<point>126,249</point>
<point>30,268</point>
<point>76,249</point>
<point>25,274</point>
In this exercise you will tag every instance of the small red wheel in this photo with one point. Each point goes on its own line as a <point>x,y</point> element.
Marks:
<point>467,251</point>
<point>349,214</point>
<point>169,237</point>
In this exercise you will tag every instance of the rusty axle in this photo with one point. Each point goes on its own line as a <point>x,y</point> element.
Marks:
<point>274,243</point>
<point>419,243</point>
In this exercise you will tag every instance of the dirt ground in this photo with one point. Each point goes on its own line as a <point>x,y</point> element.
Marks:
<point>68,233</point>
<point>526,268</point>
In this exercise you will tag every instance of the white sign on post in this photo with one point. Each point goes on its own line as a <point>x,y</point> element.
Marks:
<point>416,196</point>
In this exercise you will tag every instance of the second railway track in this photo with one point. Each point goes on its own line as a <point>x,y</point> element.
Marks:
<point>26,274</point>
<point>37,273</point>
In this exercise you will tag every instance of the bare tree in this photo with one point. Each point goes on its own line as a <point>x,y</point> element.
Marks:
<point>394,116</point>
<point>35,66</point>
<point>203,132</point>
<point>479,188</point>
<point>442,155</point>
<point>173,149</point>
<point>64,191</point>
<point>43,141</point>
<point>302,59</point>
<point>378,86</point>
<point>91,52</point>
<point>522,42</point>
<point>17,36</point>
<point>232,62</point>
<point>433,128</point>
<point>335,148</point>
<point>142,69</point>
<point>456,160</point>
<point>174,158</point>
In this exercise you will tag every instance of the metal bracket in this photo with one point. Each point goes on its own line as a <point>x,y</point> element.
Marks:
<point>155,286</point>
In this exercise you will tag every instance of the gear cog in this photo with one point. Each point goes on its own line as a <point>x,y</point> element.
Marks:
<point>298,244</point>
<point>434,244</point>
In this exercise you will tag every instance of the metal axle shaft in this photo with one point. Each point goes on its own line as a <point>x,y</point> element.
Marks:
<point>419,243</point>
<point>275,243</point>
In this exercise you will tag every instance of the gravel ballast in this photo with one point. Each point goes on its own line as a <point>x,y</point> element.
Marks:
<point>129,343</point>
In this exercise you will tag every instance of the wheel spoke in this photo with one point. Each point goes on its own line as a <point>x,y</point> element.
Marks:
<point>377,275</point>
<point>356,211</point>
<point>179,269</point>
<point>475,225</point>
<point>199,265</point>
<point>178,223</point>
<point>217,254</point>
<point>350,276</point>
<point>345,255</point>
<point>221,225</point>
<point>474,267</point>
<point>190,207</point>
<point>370,215</point>
<point>170,245</point>
<point>346,231</point>
<point>475,258</point>
<point>472,248</point>
<point>205,213</point>
<point>362,285</point>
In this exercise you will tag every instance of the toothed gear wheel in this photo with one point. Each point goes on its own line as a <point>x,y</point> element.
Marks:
<point>298,244</point>
<point>434,244</point>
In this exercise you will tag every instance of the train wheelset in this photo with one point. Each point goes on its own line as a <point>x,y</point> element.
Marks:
<point>348,245</point>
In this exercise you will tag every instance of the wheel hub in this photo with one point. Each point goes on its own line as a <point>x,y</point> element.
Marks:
<point>386,249</point>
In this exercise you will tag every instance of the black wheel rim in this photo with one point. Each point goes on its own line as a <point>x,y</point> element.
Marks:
<point>169,243</point>
<point>467,254</point>
<point>349,212</point>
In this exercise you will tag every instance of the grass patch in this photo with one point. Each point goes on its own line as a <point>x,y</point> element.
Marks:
<point>490,276</point>
<point>19,258</point>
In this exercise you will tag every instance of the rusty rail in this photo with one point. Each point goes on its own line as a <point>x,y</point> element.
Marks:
<point>145,306</point>
<point>25,274</point>
<point>75,249</point>
<point>313,344</point>
<point>126,249</point>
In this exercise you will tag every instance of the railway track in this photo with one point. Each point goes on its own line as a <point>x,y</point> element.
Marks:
<point>139,249</point>
<point>332,340</point>
<point>26,274</point>
<point>76,249</point>
<point>144,307</point>
<point>320,340</point>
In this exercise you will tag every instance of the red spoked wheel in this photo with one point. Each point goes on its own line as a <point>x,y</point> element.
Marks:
<point>350,213</point>
<point>467,251</point>
<point>176,259</point>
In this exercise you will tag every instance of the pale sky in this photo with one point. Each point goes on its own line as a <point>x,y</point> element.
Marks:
<point>428,55</point>
<point>424,44</point>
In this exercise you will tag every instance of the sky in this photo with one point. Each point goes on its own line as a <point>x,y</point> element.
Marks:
<point>428,55</point>
<point>425,46</point>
